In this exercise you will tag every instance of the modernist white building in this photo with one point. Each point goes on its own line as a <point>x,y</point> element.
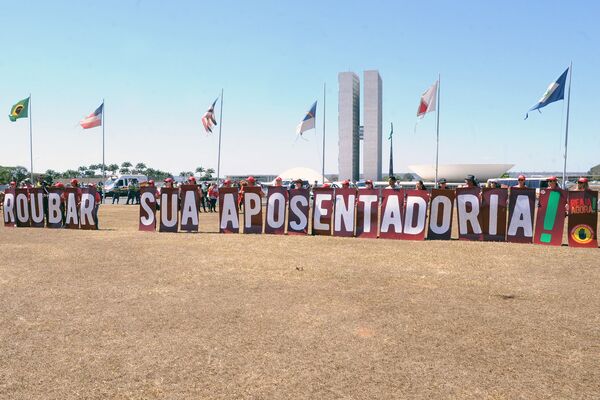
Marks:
<point>348,123</point>
<point>350,129</point>
<point>372,93</point>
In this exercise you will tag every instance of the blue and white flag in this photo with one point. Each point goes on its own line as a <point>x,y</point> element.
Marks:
<point>555,92</point>
<point>309,120</point>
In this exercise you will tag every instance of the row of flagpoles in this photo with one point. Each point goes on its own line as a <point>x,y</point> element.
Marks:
<point>429,102</point>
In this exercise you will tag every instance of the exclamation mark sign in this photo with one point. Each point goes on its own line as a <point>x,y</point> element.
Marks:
<point>550,217</point>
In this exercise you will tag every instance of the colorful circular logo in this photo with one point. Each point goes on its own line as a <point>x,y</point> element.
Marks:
<point>582,234</point>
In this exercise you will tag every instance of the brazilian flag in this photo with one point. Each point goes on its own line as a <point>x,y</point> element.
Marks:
<point>19,110</point>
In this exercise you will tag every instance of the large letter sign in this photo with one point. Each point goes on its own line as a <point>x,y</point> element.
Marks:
<point>22,207</point>
<point>390,226</point>
<point>467,205</point>
<point>440,214</point>
<point>298,212</point>
<point>521,206</point>
<point>322,211</point>
<point>253,209</point>
<point>343,220</point>
<point>72,199</point>
<point>56,208</point>
<point>276,203</point>
<point>169,205</point>
<point>583,218</point>
<point>228,210</point>
<point>190,200</point>
<point>550,222</point>
<point>36,203</point>
<point>493,214</point>
<point>86,209</point>
<point>8,208</point>
<point>147,209</point>
<point>367,207</point>
<point>415,214</point>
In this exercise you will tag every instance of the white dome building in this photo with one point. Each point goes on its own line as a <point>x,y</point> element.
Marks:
<point>458,172</point>
<point>305,174</point>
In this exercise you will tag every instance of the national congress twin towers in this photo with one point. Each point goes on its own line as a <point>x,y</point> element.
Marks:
<point>350,130</point>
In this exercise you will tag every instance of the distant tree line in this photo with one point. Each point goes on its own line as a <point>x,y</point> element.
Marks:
<point>19,173</point>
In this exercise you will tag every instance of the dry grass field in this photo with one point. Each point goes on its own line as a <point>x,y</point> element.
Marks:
<point>121,314</point>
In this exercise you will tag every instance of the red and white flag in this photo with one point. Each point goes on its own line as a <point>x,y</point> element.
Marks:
<point>94,119</point>
<point>428,100</point>
<point>208,119</point>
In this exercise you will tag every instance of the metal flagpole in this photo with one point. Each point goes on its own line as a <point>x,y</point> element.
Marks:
<point>391,169</point>
<point>30,141</point>
<point>103,142</point>
<point>220,127</point>
<point>564,177</point>
<point>437,140</point>
<point>323,162</point>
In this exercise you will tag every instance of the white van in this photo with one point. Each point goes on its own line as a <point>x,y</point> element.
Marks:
<point>534,183</point>
<point>119,183</point>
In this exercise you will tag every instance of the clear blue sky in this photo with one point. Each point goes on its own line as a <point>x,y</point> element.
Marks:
<point>160,64</point>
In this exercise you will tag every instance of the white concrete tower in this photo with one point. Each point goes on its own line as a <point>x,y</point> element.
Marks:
<point>348,122</point>
<point>372,136</point>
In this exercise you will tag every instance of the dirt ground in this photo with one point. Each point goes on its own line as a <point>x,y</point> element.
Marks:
<point>121,314</point>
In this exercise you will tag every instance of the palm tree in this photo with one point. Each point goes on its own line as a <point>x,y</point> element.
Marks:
<point>200,170</point>
<point>141,167</point>
<point>113,168</point>
<point>209,173</point>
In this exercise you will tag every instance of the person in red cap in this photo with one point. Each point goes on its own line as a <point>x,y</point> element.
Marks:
<point>326,185</point>
<point>582,184</point>
<point>13,184</point>
<point>298,184</point>
<point>368,184</point>
<point>552,183</point>
<point>75,184</point>
<point>97,200</point>
<point>521,182</point>
<point>213,195</point>
<point>226,183</point>
<point>278,181</point>
<point>168,182</point>
<point>251,181</point>
<point>151,183</point>
<point>345,184</point>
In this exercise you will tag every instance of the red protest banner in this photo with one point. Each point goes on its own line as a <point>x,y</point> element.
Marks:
<point>169,209</point>
<point>390,226</point>
<point>8,208</point>
<point>550,222</point>
<point>56,208</point>
<point>22,207</point>
<point>521,209</point>
<point>493,214</point>
<point>36,207</point>
<point>322,211</point>
<point>253,220</point>
<point>343,219</point>
<point>367,207</point>
<point>228,210</point>
<point>298,212</point>
<point>415,214</point>
<point>583,218</point>
<point>190,207</point>
<point>147,209</point>
<point>275,213</point>
<point>467,210</point>
<point>440,214</point>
